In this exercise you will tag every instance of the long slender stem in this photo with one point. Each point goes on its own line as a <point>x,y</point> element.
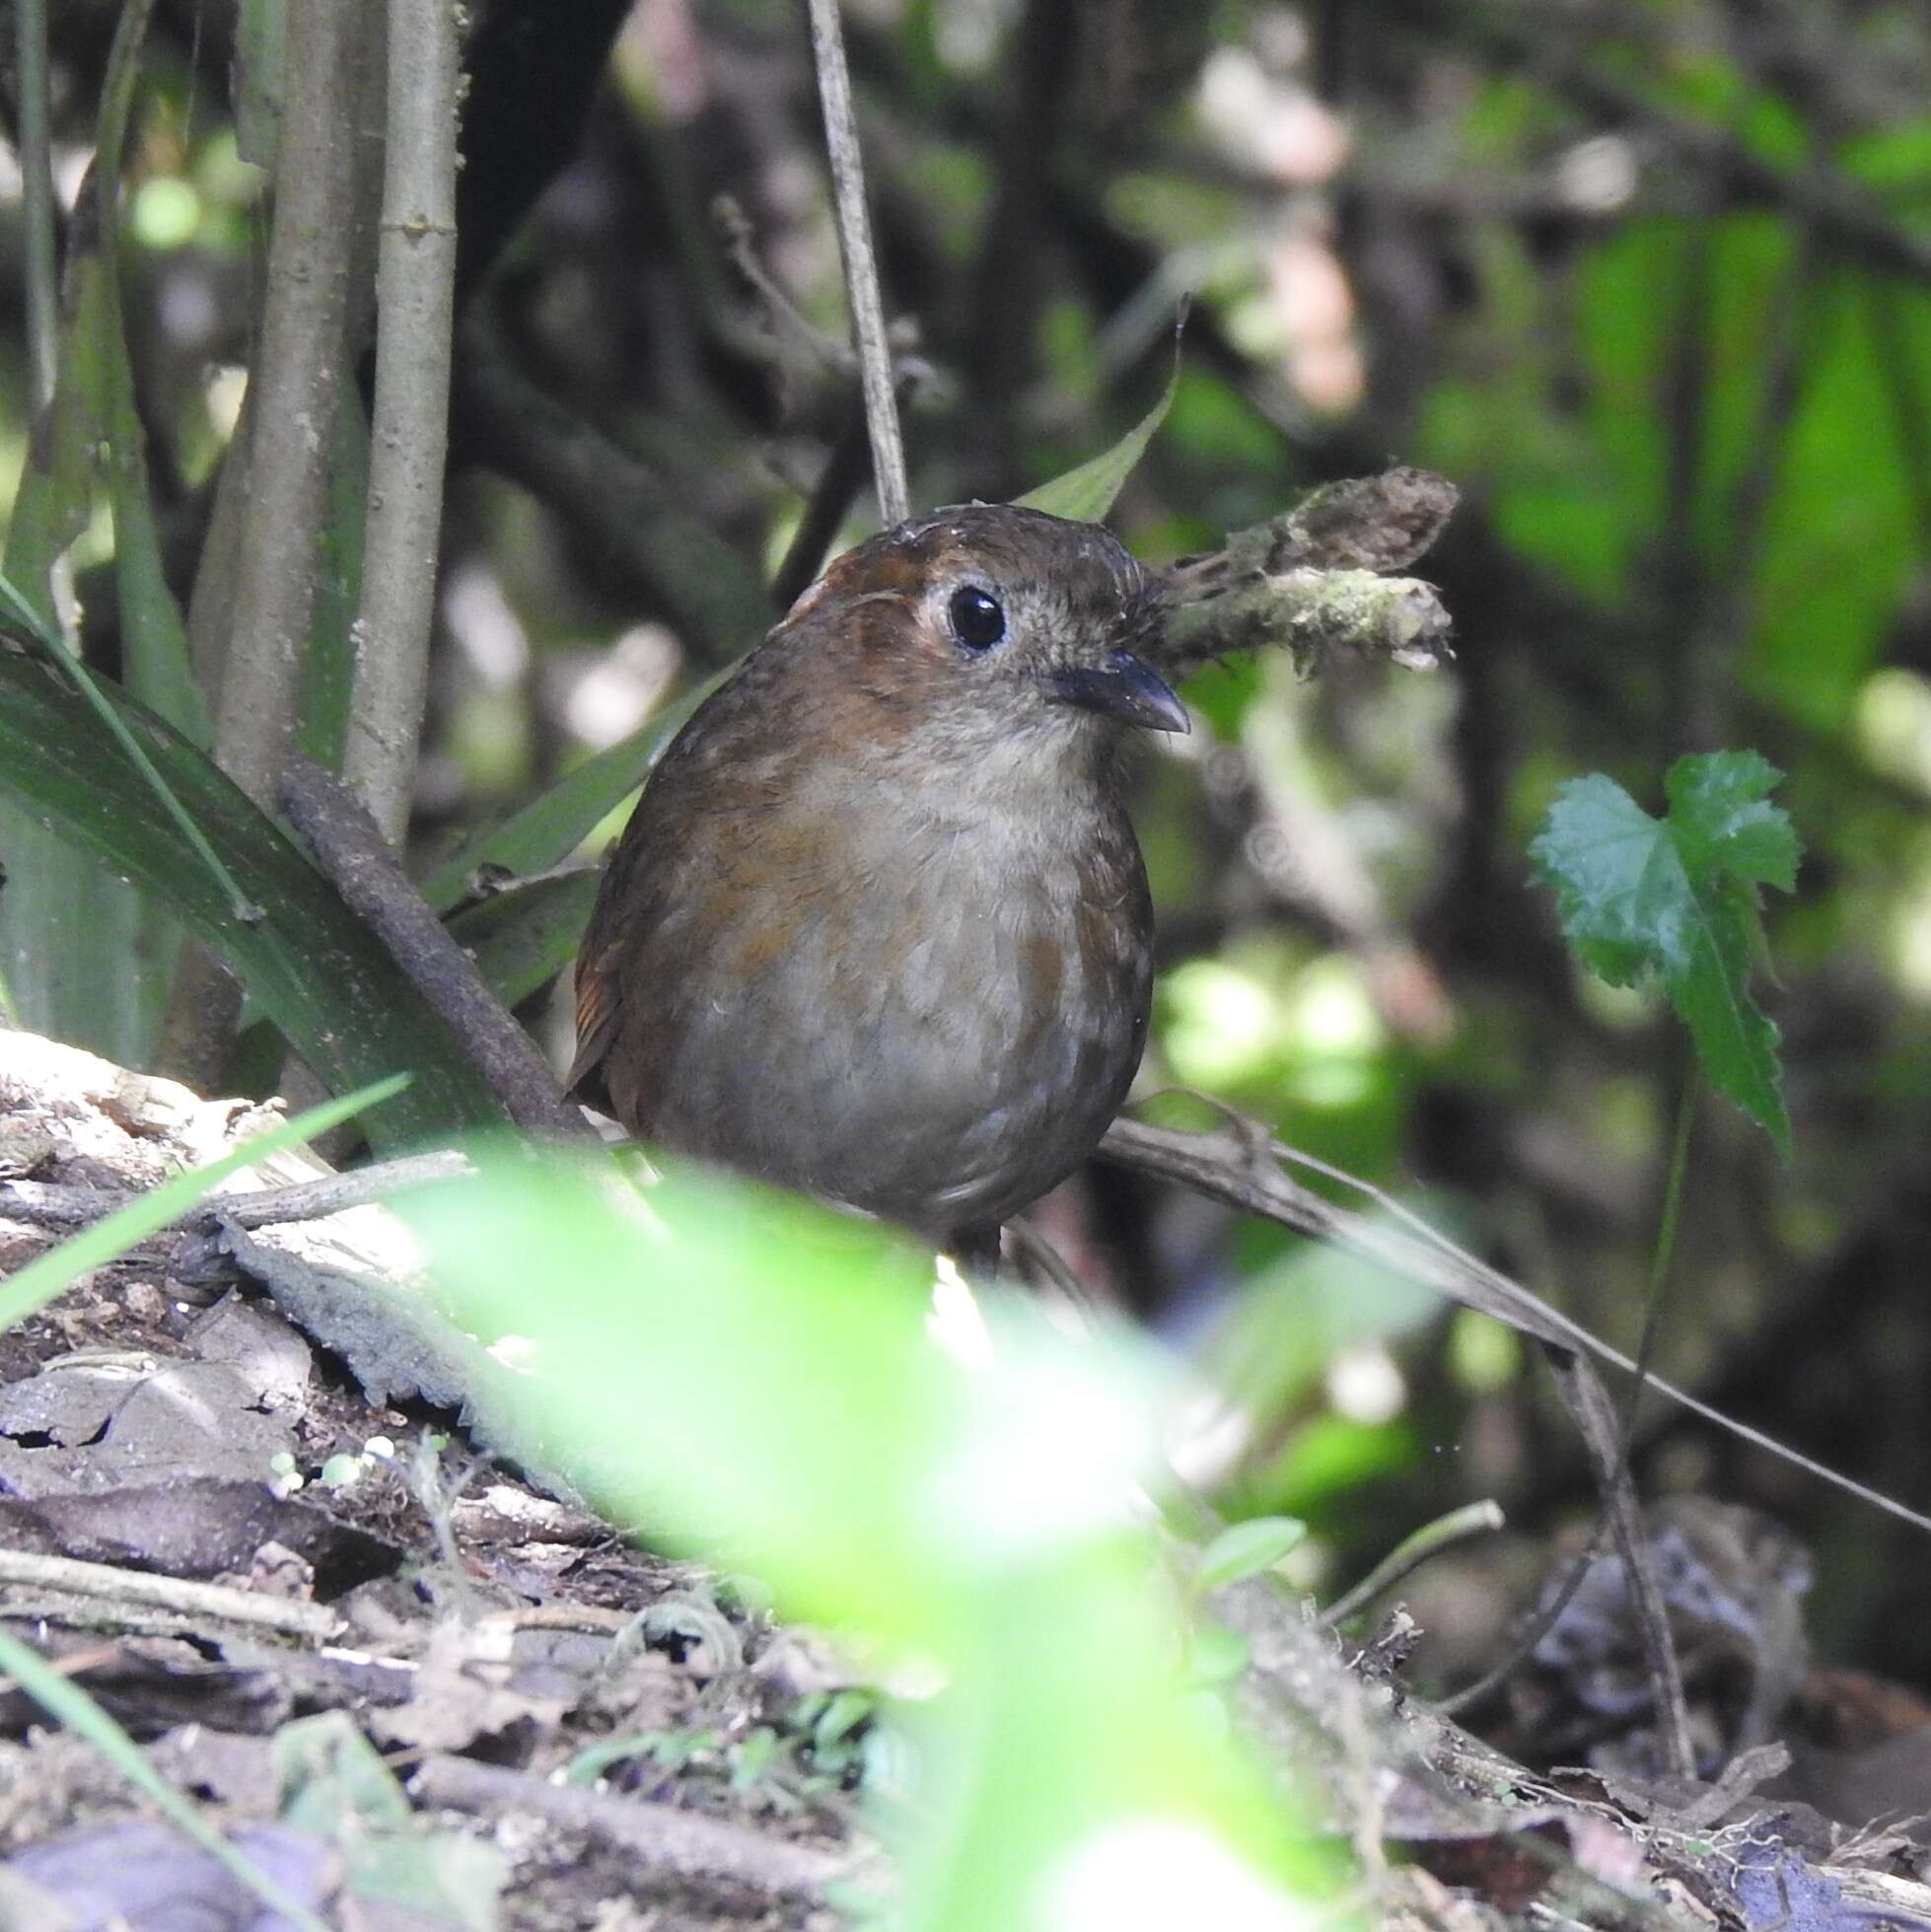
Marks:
<point>36,196</point>
<point>861,264</point>
<point>1665,1247</point>
<point>409,438</point>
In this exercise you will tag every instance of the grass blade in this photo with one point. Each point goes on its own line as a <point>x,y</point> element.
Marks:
<point>44,1278</point>
<point>67,1704</point>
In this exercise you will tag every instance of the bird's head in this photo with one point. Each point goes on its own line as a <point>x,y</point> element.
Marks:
<point>996,621</point>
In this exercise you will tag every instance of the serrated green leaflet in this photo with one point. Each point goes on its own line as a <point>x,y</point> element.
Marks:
<point>1676,897</point>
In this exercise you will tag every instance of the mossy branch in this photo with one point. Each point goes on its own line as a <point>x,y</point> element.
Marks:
<point>1318,579</point>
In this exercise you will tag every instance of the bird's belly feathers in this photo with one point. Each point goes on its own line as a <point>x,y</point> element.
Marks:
<point>941,1049</point>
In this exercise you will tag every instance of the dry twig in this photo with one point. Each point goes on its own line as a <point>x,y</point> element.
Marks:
<point>659,1837</point>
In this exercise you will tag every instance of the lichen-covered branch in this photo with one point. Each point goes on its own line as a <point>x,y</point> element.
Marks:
<point>1316,578</point>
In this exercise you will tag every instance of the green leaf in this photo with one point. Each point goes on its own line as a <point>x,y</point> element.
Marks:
<point>1216,1656</point>
<point>551,827</point>
<point>1085,494</point>
<point>525,935</point>
<point>14,608</point>
<point>67,1704</point>
<point>57,487</point>
<point>978,1520</point>
<point>312,966</point>
<point>48,1275</point>
<point>1245,1550</point>
<point>1676,899</point>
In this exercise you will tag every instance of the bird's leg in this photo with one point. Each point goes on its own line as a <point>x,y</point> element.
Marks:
<point>976,1252</point>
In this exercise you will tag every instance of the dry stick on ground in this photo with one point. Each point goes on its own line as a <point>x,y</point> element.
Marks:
<point>294,393</point>
<point>143,1589</point>
<point>409,435</point>
<point>860,266</point>
<point>658,1836</point>
<point>352,853</point>
<point>55,1206</point>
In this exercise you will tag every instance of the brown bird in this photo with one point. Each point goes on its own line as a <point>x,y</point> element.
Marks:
<point>878,928</point>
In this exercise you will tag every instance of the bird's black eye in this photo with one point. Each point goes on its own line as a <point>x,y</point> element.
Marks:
<point>978,619</point>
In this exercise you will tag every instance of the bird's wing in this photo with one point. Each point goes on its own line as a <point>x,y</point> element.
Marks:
<point>597,1008</point>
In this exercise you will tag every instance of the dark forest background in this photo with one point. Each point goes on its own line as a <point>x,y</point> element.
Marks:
<point>1650,282</point>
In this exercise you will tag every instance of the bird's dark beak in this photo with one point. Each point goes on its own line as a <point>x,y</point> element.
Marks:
<point>1127,690</point>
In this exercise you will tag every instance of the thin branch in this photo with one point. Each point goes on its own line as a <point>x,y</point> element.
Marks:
<point>657,1838</point>
<point>1239,1166</point>
<point>861,265</point>
<point>63,1205</point>
<point>1316,580</point>
<point>409,436</point>
<point>352,853</point>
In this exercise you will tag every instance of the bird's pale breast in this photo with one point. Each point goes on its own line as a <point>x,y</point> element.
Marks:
<point>932,1014</point>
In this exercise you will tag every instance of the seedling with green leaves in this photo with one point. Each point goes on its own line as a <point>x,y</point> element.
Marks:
<point>1675,901</point>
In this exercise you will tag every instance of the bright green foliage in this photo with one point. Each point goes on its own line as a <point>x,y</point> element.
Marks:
<point>1676,897</point>
<point>737,1373</point>
<point>1086,492</point>
<point>1245,1550</point>
<point>314,969</point>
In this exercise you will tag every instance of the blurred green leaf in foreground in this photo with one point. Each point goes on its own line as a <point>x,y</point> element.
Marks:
<point>743,1375</point>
